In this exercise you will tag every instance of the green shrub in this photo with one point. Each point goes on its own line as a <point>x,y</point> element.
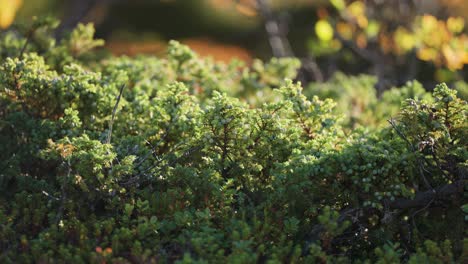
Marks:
<point>182,159</point>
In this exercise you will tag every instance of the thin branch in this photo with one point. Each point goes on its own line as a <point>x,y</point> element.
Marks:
<point>50,196</point>
<point>28,39</point>
<point>413,149</point>
<point>276,33</point>
<point>309,64</point>
<point>421,199</point>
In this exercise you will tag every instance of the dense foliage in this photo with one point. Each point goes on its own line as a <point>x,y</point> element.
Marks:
<point>182,159</point>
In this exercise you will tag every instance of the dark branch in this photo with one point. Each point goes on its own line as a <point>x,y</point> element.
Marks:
<point>440,194</point>
<point>422,201</point>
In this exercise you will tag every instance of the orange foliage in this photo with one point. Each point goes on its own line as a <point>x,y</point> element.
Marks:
<point>218,51</point>
<point>132,48</point>
<point>204,47</point>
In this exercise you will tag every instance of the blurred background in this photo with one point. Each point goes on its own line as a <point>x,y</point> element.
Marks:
<point>395,41</point>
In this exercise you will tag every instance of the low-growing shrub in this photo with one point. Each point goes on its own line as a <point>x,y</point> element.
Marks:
<point>182,159</point>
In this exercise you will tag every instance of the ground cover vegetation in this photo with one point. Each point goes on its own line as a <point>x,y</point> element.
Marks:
<point>182,159</point>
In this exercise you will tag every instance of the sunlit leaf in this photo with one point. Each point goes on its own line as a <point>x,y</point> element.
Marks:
<point>357,9</point>
<point>372,29</point>
<point>453,58</point>
<point>427,54</point>
<point>8,9</point>
<point>324,30</point>
<point>362,21</point>
<point>404,39</point>
<point>429,23</point>
<point>338,4</point>
<point>455,24</point>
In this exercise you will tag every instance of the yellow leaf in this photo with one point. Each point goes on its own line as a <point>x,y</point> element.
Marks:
<point>429,24</point>
<point>372,28</point>
<point>362,21</point>
<point>8,9</point>
<point>455,24</point>
<point>338,4</point>
<point>404,39</point>
<point>427,54</point>
<point>324,30</point>
<point>453,60</point>
<point>464,58</point>
<point>357,9</point>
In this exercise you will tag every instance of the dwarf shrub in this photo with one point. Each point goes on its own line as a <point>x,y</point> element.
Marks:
<point>183,159</point>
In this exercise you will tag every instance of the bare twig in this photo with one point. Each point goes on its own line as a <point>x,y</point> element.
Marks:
<point>310,65</point>
<point>109,134</point>
<point>50,196</point>
<point>28,39</point>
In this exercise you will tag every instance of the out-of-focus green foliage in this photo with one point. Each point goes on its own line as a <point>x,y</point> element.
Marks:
<point>207,162</point>
<point>356,98</point>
